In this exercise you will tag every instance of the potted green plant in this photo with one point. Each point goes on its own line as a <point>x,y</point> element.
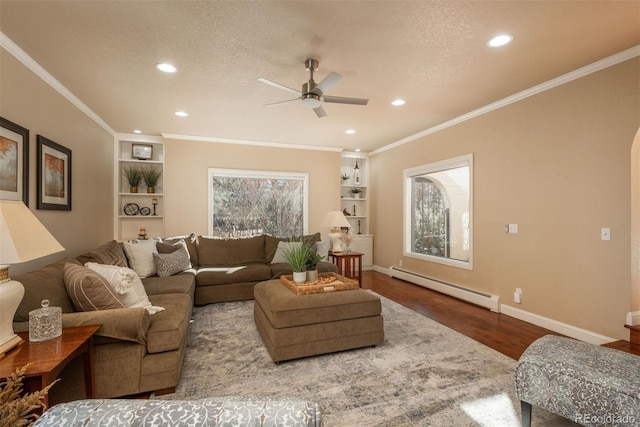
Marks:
<point>133,174</point>
<point>344,177</point>
<point>356,192</point>
<point>297,253</point>
<point>313,258</point>
<point>151,175</point>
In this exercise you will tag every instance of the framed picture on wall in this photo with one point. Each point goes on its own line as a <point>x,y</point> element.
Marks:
<point>54,175</point>
<point>142,151</point>
<point>14,161</point>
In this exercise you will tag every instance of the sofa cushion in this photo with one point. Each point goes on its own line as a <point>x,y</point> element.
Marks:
<point>88,290</point>
<point>183,283</point>
<point>215,252</point>
<point>169,327</point>
<point>218,275</point>
<point>192,246</point>
<point>109,253</point>
<point>136,296</point>
<point>271,243</point>
<point>282,251</point>
<point>170,263</point>
<point>44,283</point>
<point>140,256</point>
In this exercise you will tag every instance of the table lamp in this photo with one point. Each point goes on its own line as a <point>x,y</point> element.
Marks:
<point>22,238</point>
<point>335,220</point>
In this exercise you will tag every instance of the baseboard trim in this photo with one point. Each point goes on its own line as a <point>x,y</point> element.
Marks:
<point>545,322</point>
<point>556,326</point>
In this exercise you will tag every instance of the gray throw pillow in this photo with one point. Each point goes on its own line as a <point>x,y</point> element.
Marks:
<point>169,264</point>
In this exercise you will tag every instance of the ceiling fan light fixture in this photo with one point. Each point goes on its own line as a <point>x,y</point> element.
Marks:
<point>310,100</point>
<point>500,40</point>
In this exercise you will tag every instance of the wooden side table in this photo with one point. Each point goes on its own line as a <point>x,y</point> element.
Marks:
<point>349,264</point>
<point>48,358</point>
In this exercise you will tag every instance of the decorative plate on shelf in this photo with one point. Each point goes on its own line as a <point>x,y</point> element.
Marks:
<point>131,209</point>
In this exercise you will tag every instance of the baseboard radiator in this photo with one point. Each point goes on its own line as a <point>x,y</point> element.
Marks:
<point>492,302</point>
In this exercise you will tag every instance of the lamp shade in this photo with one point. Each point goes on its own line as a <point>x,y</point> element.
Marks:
<point>335,219</point>
<point>22,237</point>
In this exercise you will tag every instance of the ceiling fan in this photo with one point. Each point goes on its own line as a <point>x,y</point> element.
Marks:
<point>313,95</point>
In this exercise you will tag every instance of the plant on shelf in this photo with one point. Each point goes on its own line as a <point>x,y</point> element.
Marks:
<point>151,175</point>
<point>344,177</point>
<point>133,174</point>
<point>356,192</point>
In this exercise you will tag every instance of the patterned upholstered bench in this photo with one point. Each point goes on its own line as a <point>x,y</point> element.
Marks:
<point>221,411</point>
<point>586,383</point>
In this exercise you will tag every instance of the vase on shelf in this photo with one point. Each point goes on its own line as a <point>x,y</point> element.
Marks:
<point>133,189</point>
<point>151,189</point>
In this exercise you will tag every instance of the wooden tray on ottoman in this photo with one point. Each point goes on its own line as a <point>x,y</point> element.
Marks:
<point>338,283</point>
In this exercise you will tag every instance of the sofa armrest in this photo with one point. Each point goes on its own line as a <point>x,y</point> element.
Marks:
<point>127,324</point>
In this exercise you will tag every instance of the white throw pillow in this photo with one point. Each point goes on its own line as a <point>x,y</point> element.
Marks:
<point>125,278</point>
<point>322,249</point>
<point>283,247</point>
<point>140,256</point>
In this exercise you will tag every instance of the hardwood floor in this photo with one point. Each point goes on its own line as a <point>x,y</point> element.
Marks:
<point>505,334</point>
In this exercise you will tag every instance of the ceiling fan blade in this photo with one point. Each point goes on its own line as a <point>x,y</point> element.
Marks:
<point>326,83</point>
<point>343,100</point>
<point>320,112</point>
<point>277,104</point>
<point>279,86</point>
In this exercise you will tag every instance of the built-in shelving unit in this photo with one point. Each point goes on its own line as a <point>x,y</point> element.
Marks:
<point>129,221</point>
<point>355,206</point>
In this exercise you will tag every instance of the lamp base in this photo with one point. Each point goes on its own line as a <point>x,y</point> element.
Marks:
<point>11,293</point>
<point>14,341</point>
<point>334,238</point>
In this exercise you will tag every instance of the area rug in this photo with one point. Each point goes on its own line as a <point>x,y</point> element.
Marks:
<point>424,374</point>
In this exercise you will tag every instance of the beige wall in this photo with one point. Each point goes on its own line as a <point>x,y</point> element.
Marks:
<point>186,173</point>
<point>27,100</point>
<point>558,165</point>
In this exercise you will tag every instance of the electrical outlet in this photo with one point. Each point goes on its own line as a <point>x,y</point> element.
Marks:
<point>605,234</point>
<point>517,296</point>
<point>511,228</point>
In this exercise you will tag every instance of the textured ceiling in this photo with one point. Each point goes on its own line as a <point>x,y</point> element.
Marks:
<point>431,53</point>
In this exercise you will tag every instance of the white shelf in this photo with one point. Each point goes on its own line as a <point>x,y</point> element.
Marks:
<point>140,216</point>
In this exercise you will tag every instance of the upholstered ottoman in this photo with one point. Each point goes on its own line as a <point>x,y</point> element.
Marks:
<point>586,383</point>
<point>294,326</point>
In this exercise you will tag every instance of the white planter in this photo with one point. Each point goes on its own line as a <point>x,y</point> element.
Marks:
<point>299,276</point>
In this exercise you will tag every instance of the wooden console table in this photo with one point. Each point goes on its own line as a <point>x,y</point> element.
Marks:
<point>48,358</point>
<point>349,264</point>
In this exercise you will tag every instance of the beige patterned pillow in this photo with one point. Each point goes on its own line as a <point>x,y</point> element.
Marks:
<point>168,264</point>
<point>88,290</point>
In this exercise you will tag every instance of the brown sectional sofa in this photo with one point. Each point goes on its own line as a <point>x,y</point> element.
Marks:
<point>135,352</point>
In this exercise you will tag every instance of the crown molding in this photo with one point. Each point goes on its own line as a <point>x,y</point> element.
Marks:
<point>30,63</point>
<point>250,142</point>
<point>542,87</point>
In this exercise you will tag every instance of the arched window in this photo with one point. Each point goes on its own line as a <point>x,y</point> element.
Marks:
<point>438,212</point>
<point>430,218</point>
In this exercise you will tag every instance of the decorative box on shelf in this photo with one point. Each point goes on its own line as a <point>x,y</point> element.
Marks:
<point>327,282</point>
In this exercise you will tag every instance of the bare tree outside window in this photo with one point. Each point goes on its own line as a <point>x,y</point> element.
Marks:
<point>248,203</point>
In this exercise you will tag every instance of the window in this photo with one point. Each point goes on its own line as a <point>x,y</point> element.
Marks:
<point>438,214</point>
<point>247,203</point>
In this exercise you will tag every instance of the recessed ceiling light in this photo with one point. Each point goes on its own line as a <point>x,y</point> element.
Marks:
<point>398,102</point>
<point>137,131</point>
<point>357,149</point>
<point>165,67</point>
<point>350,131</point>
<point>500,40</point>
<point>181,114</point>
